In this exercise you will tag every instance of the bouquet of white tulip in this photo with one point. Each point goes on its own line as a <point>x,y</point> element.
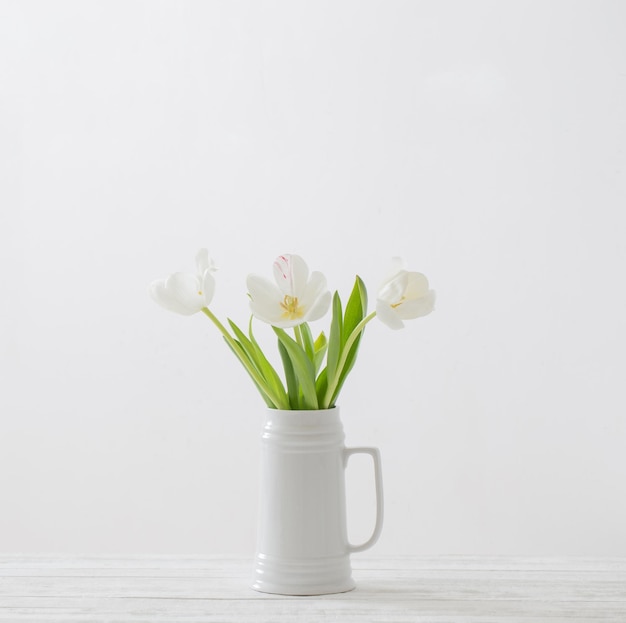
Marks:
<point>296,298</point>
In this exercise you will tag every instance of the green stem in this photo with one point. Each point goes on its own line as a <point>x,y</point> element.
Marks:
<point>332,385</point>
<point>260,381</point>
<point>298,333</point>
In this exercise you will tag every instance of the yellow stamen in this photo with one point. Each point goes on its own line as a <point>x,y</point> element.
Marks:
<point>394,305</point>
<point>292,309</point>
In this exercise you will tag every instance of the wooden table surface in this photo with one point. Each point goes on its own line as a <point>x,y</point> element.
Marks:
<point>450,589</point>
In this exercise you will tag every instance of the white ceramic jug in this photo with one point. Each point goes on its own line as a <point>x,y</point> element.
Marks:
<point>302,543</point>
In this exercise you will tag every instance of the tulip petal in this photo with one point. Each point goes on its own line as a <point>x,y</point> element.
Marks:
<point>320,307</point>
<point>387,315</point>
<point>167,299</point>
<point>416,308</point>
<point>265,299</point>
<point>313,290</point>
<point>291,274</point>
<point>296,297</point>
<point>393,289</point>
<point>207,287</point>
<point>186,289</point>
<point>263,291</point>
<point>260,314</point>
<point>417,286</point>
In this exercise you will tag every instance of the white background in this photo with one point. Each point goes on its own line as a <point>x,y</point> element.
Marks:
<point>483,141</point>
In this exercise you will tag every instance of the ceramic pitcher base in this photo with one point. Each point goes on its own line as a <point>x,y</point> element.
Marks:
<point>319,576</point>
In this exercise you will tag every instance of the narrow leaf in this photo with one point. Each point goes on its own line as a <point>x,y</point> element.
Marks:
<point>321,385</point>
<point>346,368</point>
<point>320,342</point>
<point>263,366</point>
<point>239,355</point>
<point>290,377</point>
<point>350,361</point>
<point>356,309</point>
<point>302,367</point>
<point>320,347</point>
<point>334,340</point>
<point>307,338</point>
<point>269,370</point>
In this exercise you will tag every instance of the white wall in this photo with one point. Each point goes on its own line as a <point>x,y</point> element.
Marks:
<point>483,141</point>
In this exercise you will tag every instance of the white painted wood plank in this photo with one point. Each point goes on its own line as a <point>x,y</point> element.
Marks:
<point>457,585</point>
<point>399,589</point>
<point>534,563</point>
<point>312,611</point>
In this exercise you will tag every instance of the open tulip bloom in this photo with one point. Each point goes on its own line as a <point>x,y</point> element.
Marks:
<point>314,369</point>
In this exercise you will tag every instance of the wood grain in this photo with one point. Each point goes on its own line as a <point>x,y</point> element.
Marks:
<point>450,589</point>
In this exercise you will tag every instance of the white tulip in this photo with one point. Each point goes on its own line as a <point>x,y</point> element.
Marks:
<point>295,298</point>
<point>402,296</point>
<point>185,293</point>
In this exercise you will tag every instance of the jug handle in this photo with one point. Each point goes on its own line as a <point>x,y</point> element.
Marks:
<point>378,479</point>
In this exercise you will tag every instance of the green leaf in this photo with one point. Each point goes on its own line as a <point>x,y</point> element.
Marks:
<point>320,347</point>
<point>290,376</point>
<point>302,367</point>
<point>241,354</point>
<point>350,361</point>
<point>307,339</point>
<point>321,385</point>
<point>334,340</point>
<point>268,371</point>
<point>270,376</point>
<point>345,369</point>
<point>321,342</point>
<point>356,309</point>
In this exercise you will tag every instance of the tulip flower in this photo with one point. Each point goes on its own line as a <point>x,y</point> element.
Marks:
<point>186,293</point>
<point>402,296</point>
<point>291,301</point>
<point>294,299</point>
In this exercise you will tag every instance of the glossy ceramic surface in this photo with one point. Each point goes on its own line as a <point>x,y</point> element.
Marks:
<point>302,544</point>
